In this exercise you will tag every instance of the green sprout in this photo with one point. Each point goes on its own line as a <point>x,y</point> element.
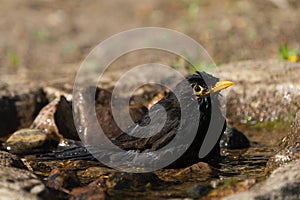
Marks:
<point>193,10</point>
<point>13,58</point>
<point>193,7</point>
<point>290,55</point>
<point>41,35</point>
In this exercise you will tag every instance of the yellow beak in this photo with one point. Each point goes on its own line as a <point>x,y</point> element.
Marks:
<point>220,86</point>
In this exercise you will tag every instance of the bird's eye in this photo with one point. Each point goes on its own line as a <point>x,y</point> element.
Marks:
<point>197,89</point>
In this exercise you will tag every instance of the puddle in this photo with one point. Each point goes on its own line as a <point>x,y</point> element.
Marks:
<point>245,164</point>
<point>237,165</point>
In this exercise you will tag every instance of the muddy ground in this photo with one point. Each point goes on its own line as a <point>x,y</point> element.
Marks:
<point>47,40</point>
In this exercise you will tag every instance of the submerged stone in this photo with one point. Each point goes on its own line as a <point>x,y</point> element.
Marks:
<point>95,190</point>
<point>62,179</point>
<point>283,183</point>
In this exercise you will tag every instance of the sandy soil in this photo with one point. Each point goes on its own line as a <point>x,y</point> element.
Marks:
<point>46,40</point>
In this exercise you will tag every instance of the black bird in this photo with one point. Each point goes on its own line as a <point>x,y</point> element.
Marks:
<point>193,104</point>
<point>204,93</point>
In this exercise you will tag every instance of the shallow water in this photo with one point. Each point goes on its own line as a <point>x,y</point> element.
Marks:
<point>237,165</point>
<point>245,164</point>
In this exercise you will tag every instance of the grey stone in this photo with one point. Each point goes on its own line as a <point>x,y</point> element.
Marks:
<point>264,90</point>
<point>20,184</point>
<point>289,147</point>
<point>10,160</point>
<point>283,183</point>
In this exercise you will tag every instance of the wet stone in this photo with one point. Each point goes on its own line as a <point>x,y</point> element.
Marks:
<point>294,136</point>
<point>21,184</point>
<point>44,168</point>
<point>64,119</point>
<point>56,120</point>
<point>26,141</point>
<point>93,173</point>
<point>62,179</point>
<point>83,113</point>
<point>283,157</point>
<point>95,190</point>
<point>198,190</point>
<point>10,160</point>
<point>283,183</point>
<point>289,149</point>
<point>199,171</point>
<point>105,116</point>
<point>126,181</point>
<point>230,187</point>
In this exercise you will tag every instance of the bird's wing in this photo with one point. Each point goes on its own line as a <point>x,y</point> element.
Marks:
<point>128,142</point>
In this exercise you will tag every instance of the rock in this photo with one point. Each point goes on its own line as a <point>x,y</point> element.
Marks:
<point>19,104</point>
<point>63,118</point>
<point>105,117</point>
<point>10,160</point>
<point>200,171</point>
<point>233,139</point>
<point>289,148</point>
<point>44,168</point>
<point>62,179</point>
<point>95,190</point>
<point>103,112</point>
<point>56,120</point>
<point>294,136</point>
<point>230,187</point>
<point>93,173</point>
<point>127,181</point>
<point>283,157</point>
<point>26,141</point>
<point>283,183</point>
<point>263,90</point>
<point>198,190</point>
<point>21,184</point>
<point>7,193</point>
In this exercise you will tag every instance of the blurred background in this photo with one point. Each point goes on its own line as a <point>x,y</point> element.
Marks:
<point>48,39</point>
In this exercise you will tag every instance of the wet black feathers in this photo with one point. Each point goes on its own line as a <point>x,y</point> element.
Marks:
<point>173,109</point>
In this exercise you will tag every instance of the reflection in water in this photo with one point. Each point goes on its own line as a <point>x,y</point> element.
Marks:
<point>244,164</point>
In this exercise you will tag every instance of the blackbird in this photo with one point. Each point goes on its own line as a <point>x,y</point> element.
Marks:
<point>203,91</point>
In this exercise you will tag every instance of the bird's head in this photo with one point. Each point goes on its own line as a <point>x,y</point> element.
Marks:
<point>200,88</point>
<point>206,89</point>
<point>204,85</point>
